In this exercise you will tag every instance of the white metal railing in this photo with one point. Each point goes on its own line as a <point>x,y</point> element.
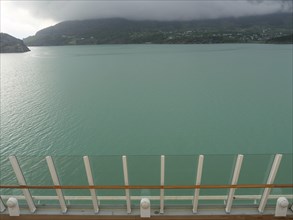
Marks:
<point>21,181</point>
<point>55,179</point>
<point>234,182</point>
<point>162,184</point>
<point>267,191</point>
<point>197,182</point>
<point>195,198</point>
<point>126,182</point>
<point>2,206</point>
<point>91,182</point>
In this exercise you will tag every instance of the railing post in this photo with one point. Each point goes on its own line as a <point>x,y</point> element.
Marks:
<point>126,182</point>
<point>2,206</point>
<point>270,180</point>
<point>234,182</point>
<point>55,179</point>
<point>22,182</point>
<point>197,182</point>
<point>162,184</point>
<point>91,183</point>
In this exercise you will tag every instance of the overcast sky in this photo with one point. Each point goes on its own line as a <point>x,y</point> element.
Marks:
<point>24,18</point>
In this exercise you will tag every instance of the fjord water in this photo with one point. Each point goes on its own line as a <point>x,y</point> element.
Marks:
<point>217,100</point>
<point>147,100</point>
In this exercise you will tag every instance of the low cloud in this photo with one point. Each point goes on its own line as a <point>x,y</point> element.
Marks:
<point>152,9</point>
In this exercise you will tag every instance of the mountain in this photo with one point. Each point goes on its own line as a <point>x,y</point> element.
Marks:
<point>10,44</point>
<point>123,31</point>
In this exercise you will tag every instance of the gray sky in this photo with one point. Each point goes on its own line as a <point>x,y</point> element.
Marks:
<point>23,18</point>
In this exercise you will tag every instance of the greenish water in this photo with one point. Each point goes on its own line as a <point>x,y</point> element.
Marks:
<point>144,100</point>
<point>147,100</point>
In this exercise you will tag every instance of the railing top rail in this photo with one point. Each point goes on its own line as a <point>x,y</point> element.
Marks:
<point>236,186</point>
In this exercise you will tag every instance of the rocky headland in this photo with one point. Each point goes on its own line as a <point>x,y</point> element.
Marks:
<point>10,44</point>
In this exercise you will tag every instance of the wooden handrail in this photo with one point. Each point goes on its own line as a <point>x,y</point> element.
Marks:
<point>238,186</point>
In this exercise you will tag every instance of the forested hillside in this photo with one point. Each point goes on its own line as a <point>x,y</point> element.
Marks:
<point>122,31</point>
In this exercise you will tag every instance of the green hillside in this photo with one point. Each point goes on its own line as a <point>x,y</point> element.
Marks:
<point>122,31</point>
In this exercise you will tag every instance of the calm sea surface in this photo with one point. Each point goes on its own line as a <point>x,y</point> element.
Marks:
<point>147,100</point>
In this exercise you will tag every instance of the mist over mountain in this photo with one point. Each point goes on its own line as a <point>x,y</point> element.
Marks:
<point>259,28</point>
